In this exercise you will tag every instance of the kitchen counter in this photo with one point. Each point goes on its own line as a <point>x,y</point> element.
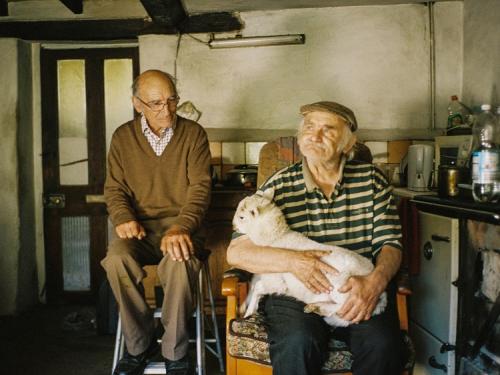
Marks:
<point>407,193</point>
<point>459,208</point>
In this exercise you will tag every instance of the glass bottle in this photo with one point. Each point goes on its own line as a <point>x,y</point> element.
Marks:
<point>458,114</point>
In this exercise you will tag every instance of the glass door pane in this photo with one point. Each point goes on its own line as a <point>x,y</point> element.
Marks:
<point>118,78</point>
<point>72,112</point>
<point>76,253</point>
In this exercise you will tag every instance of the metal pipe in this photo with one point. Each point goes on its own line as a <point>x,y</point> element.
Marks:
<point>432,63</point>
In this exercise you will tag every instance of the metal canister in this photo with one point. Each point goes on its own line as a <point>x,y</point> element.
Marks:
<point>449,178</point>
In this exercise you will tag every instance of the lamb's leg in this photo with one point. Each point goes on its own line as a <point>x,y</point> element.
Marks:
<point>326,308</point>
<point>261,285</point>
<point>252,301</point>
<point>330,308</point>
<point>253,304</point>
<point>381,305</point>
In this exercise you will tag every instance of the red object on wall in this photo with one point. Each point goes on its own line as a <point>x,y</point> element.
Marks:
<point>408,215</point>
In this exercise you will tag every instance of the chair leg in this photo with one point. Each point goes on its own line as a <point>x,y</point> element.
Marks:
<point>201,344</point>
<point>215,326</point>
<point>200,330</point>
<point>118,352</point>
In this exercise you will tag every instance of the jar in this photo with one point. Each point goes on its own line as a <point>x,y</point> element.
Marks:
<point>449,178</point>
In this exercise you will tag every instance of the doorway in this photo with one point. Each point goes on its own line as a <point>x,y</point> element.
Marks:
<point>85,97</point>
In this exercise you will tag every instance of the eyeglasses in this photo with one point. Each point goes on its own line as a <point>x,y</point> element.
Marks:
<point>158,105</point>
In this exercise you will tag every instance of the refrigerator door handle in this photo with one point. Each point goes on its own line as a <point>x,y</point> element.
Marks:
<point>447,347</point>
<point>437,238</point>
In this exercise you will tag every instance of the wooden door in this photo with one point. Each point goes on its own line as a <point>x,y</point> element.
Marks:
<point>85,96</point>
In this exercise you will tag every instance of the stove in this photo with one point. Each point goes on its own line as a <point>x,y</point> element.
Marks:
<point>473,342</point>
<point>460,208</point>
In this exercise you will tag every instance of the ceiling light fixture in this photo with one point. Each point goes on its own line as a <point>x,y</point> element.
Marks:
<point>257,41</point>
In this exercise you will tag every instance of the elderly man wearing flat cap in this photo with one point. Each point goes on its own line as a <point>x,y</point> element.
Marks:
<point>336,200</point>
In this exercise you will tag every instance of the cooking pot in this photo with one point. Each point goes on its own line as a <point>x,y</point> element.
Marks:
<point>242,176</point>
<point>449,176</point>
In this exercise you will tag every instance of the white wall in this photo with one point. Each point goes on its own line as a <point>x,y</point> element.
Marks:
<point>18,271</point>
<point>38,172</point>
<point>449,56</point>
<point>481,74</point>
<point>27,291</point>
<point>374,59</point>
<point>9,188</point>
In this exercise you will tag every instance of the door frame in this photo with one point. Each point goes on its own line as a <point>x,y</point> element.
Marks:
<point>96,150</point>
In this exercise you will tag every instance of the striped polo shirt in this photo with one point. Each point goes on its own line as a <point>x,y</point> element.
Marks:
<point>360,215</point>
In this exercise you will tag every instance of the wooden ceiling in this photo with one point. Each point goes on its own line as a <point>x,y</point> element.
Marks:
<point>163,17</point>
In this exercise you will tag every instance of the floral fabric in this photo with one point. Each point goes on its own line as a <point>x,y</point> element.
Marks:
<point>247,339</point>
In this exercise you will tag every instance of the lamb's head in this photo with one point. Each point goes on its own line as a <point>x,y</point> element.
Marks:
<point>259,218</point>
<point>248,213</point>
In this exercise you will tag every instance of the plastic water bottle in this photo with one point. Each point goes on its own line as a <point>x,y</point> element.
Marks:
<point>485,157</point>
<point>497,142</point>
<point>458,114</point>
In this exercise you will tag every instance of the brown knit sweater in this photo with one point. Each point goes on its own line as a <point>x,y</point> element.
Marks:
<point>141,186</point>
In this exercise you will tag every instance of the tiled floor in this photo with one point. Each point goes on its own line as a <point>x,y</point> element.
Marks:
<point>42,342</point>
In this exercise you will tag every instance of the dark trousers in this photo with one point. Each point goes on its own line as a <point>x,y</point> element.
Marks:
<point>299,341</point>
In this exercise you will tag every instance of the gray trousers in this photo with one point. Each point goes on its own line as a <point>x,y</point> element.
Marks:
<point>123,264</point>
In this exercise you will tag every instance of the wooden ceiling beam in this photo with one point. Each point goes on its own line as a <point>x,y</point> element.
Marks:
<point>210,23</point>
<point>165,12</point>
<point>79,30</point>
<point>114,29</point>
<point>4,8</point>
<point>76,6</point>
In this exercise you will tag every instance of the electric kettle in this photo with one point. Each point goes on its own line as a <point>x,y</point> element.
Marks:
<point>419,159</point>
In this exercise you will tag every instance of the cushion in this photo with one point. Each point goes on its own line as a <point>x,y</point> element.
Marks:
<point>247,339</point>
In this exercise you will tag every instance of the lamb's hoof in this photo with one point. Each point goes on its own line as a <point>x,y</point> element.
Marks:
<point>311,308</point>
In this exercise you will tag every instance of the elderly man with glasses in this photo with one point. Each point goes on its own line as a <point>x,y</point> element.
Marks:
<point>157,191</point>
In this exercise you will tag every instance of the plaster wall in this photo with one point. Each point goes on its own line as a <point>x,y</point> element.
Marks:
<point>38,171</point>
<point>448,23</point>
<point>9,188</point>
<point>374,59</point>
<point>481,73</point>
<point>27,272</point>
<point>158,52</point>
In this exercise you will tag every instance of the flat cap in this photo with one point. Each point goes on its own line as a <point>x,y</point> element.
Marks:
<point>332,107</point>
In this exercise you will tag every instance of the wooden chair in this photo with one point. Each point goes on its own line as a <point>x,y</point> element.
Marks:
<point>247,350</point>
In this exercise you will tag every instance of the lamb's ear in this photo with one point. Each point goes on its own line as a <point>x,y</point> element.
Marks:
<point>268,194</point>
<point>240,205</point>
<point>255,212</point>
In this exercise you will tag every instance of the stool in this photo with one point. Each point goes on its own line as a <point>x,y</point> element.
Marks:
<point>213,344</point>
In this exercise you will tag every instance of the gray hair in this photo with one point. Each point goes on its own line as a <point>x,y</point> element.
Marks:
<point>136,83</point>
<point>346,137</point>
<point>344,141</point>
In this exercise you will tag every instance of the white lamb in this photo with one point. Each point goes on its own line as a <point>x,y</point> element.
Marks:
<point>264,223</point>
